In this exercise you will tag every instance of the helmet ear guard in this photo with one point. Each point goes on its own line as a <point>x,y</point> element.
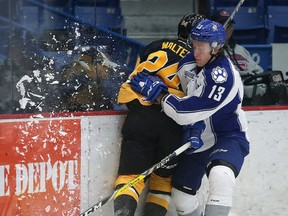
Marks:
<point>215,45</point>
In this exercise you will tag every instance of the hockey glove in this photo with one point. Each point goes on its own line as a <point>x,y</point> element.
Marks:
<point>148,85</point>
<point>192,134</point>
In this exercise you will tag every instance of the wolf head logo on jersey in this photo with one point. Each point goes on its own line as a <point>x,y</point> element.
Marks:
<point>219,75</point>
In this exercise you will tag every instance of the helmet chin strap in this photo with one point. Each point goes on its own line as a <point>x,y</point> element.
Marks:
<point>213,47</point>
<point>212,56</point>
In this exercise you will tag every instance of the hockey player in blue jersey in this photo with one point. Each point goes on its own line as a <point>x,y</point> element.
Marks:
<point>213,121</point>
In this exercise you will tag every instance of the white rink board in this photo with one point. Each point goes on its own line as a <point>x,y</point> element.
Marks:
<point>100,151</point>
<point>261,188</point>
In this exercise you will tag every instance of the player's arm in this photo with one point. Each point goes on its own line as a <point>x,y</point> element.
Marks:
<point>207,99</point>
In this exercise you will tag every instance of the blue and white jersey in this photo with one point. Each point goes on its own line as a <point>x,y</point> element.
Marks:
<point>214,95</point>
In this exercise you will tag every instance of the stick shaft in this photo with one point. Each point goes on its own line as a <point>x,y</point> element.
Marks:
<point>233,13</point>
<point>137,179</point>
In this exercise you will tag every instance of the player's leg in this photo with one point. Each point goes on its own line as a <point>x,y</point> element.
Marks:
<point>221,187</point>
<point>186,181</point>
<point>125,204</point>
<point>159,193</point>
<point>158,197</point>
<point>225,164</point>
<point>134,159</point>
<point>186,202</point>
<point>137,153</point>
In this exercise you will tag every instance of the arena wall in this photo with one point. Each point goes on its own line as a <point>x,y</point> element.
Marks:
<point>65,164</point>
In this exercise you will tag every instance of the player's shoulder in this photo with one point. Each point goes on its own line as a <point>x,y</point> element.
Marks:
<point>174,48</point>
<point>187,59</point>
<point>153,46</point>
<point>220,70</point>
<point>222,61</point>
<point>163,43</point>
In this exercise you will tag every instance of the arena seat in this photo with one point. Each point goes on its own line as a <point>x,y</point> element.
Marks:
<point>266,3</point>
<point>250,25</point>
<point>277,23</point>
<point>214,4</point>
<point>281,34</point>
<point>104,16</point>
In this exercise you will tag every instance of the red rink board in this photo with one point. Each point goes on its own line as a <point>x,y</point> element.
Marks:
<point>40,167</point>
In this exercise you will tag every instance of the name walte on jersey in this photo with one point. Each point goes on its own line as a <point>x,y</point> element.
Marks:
<point>176,48</point>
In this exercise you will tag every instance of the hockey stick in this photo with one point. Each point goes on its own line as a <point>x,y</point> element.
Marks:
<point>137,179</point>
<point>233,13</point>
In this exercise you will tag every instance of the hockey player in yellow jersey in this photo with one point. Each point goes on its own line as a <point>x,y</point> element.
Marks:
<point>148,135</point>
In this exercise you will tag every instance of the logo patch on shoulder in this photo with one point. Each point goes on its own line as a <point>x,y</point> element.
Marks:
<point>219,75</point>
<point>190,73</point>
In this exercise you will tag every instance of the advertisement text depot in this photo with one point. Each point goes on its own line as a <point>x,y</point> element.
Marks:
<point>35,177</point>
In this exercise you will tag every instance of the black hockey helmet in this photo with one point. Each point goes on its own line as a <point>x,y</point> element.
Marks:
<point>187,23</point>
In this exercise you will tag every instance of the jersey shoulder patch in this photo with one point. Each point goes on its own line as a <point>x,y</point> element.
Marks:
<point>219,75</point>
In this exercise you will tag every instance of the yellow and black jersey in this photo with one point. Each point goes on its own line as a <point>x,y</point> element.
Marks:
<point>158,58</point>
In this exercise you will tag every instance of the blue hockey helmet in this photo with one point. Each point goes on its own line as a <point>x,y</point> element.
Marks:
<point>209,31</point>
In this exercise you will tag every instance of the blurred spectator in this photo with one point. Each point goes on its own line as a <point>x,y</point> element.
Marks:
<point>3,87</point>
<point>36,79</point>
<point>15,65</point>
<point>237,53</point>
<point>240,56</point>
<point>33,82</point>
<point>39,91</point>
<point>88,83</point>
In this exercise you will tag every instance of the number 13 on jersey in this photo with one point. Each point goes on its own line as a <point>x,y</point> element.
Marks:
<point>216,92</point>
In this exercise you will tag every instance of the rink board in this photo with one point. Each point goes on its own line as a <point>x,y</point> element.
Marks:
<point>65,164</point>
